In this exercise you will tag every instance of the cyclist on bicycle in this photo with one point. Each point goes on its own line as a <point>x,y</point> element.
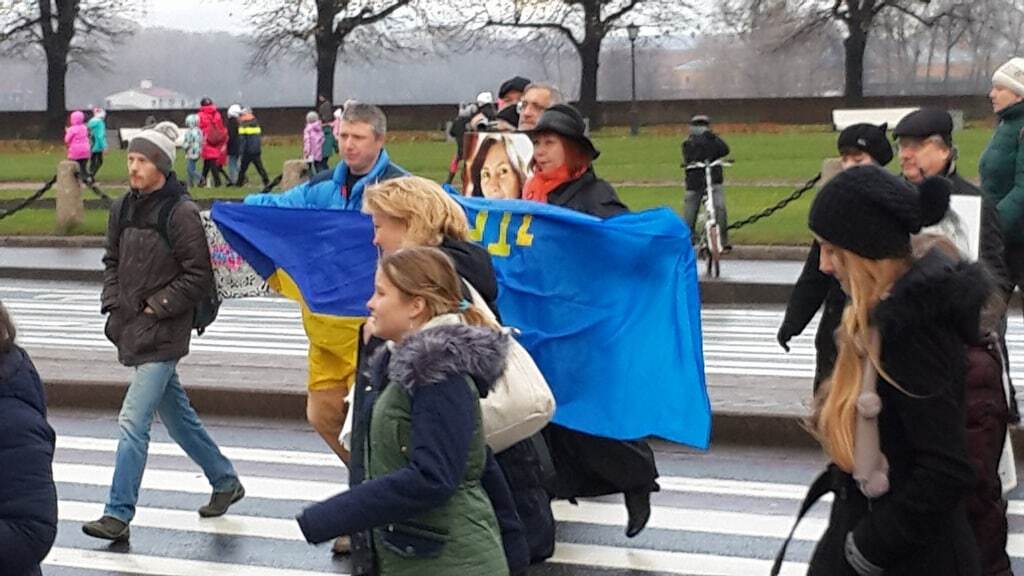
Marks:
<point>703,145</point>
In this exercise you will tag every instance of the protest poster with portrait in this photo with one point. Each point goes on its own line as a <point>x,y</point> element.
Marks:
<point>497,164</point>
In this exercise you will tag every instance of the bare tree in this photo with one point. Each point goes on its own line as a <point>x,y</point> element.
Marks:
<point>68,32</point>
<point>298,29</point>
<point>584,24</point>
<point>750,40</point>
<point>858,18</point>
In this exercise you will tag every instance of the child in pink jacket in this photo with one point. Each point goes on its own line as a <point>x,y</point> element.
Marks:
<point>76,136</point>
<point>313,142</point>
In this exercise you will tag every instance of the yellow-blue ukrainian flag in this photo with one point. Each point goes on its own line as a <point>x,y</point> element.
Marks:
<point>323,259</point>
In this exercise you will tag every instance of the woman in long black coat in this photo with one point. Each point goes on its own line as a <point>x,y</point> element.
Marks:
<point>899,469</point>
<point>587,465</point>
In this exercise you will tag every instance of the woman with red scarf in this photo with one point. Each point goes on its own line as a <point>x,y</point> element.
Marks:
<point>563,174</point>
<point>586,465</point>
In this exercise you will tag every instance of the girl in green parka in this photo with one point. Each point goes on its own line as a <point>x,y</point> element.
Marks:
<point>423,447</point>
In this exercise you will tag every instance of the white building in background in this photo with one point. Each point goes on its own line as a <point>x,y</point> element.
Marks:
<point>148,97</point>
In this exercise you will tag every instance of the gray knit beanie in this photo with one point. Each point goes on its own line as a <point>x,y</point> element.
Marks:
<point>158,145</point>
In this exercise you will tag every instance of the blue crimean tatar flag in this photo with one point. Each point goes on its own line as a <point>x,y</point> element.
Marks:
<point>609,310</point>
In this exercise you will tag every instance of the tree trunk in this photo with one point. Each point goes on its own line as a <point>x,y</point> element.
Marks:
<point>855,45</point>
<point>56,44</point>
<point>327,43</point>
<point>589,52</point>
<point>56,92</point>
<point>326,60</point>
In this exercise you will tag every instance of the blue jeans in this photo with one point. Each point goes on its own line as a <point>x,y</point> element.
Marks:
<point>194,177</point>
<point>233,162</point>
<point>155,388</point>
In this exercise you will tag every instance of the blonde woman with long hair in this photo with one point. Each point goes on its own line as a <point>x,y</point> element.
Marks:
<point>891,417</point>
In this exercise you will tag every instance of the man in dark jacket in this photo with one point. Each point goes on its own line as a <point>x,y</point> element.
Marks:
<point>926,149</point>
<point>251,147</point>
<point>858,144</point>
<point>156,269</point>
<point>28,506</point>
<point>703,145</point>
<point>925,139</point>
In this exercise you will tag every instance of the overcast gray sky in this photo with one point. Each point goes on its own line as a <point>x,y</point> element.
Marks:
<point>196,15</point>
<point>229,15</point>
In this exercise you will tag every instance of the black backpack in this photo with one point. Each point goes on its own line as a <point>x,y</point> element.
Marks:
<point>209,304</point>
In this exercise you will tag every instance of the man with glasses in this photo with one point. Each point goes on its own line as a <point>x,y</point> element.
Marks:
<point>925,142</point>
<point>537,98</point>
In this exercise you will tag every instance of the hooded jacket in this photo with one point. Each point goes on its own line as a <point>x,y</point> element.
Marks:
<point>920,526</point>
<point>313,142</point>
<point>97,134</point>
<point>209,119</point>
<point>143,269</point>
<point>425,455</point>
<point>76,136</point>
<point>326,190</point>
<point>251,136</point>
<point>193,144</point>
<point>28,498</point>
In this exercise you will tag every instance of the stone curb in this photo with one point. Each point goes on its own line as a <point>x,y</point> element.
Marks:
<point>51,241</point>
<point>722,292</point>
<point>728,427</point>
<point>753,252</point>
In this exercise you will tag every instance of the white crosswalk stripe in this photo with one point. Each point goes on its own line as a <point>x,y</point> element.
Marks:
<point>681,509</point>
<point>737,341</point>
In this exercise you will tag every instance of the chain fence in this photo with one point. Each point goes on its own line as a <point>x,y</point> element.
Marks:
<point>779,206</point>
<point>28,201</point>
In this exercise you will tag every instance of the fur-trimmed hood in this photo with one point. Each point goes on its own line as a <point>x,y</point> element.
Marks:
<point>446,346</point>
<point>937,289</point>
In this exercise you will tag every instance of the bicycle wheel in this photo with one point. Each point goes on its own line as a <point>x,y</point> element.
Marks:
<point>714,251</point>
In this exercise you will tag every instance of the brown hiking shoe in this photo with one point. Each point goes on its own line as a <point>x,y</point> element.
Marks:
<point>107,528</point>
<point>221,501</point>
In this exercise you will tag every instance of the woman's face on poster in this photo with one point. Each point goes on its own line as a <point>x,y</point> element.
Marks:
<point>498,178</point>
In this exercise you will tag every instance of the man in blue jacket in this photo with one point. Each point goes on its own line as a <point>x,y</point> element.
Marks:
<point>333,340</point>
<point>365,162</point>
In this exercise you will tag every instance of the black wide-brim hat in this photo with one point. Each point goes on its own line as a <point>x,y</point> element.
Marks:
<point>565,120</point>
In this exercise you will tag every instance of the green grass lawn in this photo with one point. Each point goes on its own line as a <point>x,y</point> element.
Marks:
<point>767,166</point>
<point>786,227</point>
<point>792,155</point>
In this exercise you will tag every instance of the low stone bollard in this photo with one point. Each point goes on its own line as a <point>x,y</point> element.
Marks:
<point>829,168</point>
<point>294,173</point>
<point>70,207</point>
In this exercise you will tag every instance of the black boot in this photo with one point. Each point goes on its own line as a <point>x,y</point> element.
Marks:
<point>638,504</point>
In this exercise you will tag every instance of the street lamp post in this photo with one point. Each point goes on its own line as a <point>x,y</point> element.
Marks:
<point>634,117</point>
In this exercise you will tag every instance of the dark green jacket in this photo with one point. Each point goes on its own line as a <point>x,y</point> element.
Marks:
<point>425,456</point>
<point>1002,172</point>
